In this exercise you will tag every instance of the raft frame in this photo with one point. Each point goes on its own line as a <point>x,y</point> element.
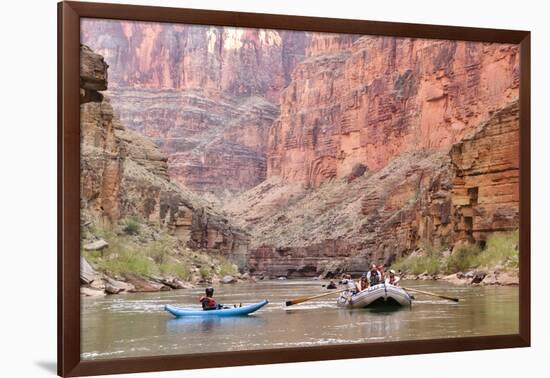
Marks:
<point>69,14</point>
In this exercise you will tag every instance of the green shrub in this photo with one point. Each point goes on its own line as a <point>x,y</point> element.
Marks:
<point>131,225</point>
<point>105,232</point>
<point>205,272</point>
<point>178,269</point>
<point>430,264</point>
<point>501,249</point>
<point>127,261</point>
<point>464,257</point>
<point>227,268</point>
<point>160,249</point>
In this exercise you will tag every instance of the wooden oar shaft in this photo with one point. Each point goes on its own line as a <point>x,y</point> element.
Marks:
<point>305,299</point>
<point>432,294</point>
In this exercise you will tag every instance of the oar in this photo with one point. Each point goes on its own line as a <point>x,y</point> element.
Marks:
<point>432,294</point>
<point>305,299</point>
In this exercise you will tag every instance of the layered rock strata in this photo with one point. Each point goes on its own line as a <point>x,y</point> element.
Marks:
<point>125,174</point>
<point>369,99</point>
<point>207,95</point>
<point>440,198</point>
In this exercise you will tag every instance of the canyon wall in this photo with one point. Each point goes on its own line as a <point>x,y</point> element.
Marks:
<point>367,100</point>
<point>207,95</point>
<point>124,174</point>
<point>328,151</point>
<point>440,198</point>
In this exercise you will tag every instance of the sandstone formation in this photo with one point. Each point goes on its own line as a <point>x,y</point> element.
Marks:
<point>125,174</point>
<point>461,194</point>
<point>207,95</point>
<point>485,191</point>
<point>368,100</point>
<point>216,146</point>
<point>329,151</point>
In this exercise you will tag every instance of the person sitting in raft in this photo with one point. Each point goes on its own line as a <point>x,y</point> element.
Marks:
<point>351,284</point>
<point>208,303</point>
<point>393,279</point>
<point>373,276</point>
<point>364,283</point>
<point>331,285</point>
<point>382,273</point>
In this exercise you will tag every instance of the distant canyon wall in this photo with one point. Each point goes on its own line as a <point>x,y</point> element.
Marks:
<point>368,99</point>
<point>124,174</point>
<point>207,95</point>
<point>441,198</point>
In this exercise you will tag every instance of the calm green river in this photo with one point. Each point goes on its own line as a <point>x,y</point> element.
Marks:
<point>134,325</point>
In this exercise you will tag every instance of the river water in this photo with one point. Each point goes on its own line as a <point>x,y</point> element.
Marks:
<point>134,325</point>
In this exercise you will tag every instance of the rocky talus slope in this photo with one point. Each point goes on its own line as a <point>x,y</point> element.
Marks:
<point>124,174</point>
<point>206,95</point>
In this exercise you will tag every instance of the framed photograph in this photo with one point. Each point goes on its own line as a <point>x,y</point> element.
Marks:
<point>239,188</point>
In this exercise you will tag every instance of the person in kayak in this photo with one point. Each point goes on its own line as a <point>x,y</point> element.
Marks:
<point>331,285</point>
<point>208,303</point>
<point>393,279</point>
<point>373,276</point>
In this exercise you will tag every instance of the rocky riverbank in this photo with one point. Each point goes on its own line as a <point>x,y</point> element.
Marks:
<point>482,277</point>
<point>134,257</point>
<point>96,280</point>
<point>98,284</point>
<point>496,262</point>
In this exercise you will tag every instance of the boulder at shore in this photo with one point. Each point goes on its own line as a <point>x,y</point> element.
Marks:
<point>88,292</point>
<point>228,280</point>
<point>96,245</point>
<point>141,285</point>
<point>87,273</point>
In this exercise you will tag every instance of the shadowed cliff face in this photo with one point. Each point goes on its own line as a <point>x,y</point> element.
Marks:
<point>124,174</point>
<point>206,95</point>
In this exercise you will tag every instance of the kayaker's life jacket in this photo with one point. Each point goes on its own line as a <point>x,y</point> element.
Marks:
<point>208,303</point>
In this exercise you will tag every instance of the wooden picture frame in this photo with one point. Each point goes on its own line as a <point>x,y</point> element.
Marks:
<point>69,360</point>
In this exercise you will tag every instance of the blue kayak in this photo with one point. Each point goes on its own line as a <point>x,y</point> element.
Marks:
<point>232,311</point>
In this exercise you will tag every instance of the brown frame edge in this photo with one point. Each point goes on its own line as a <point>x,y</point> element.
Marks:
<point>69,14</point>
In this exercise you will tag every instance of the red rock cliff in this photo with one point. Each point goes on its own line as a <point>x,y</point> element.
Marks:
<point>206,95</point>
<point>123,173</point>
<point>461,194</point>
<point>369,99</point>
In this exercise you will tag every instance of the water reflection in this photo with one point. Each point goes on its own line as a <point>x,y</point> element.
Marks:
<point>213,323</point>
